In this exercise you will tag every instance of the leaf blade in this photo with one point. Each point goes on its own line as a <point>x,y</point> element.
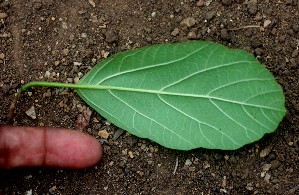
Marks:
<point>172,93</point>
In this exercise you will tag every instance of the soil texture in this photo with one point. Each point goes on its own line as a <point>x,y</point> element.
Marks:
<point>62,40</point>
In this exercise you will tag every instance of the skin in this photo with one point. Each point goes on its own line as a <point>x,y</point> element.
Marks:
<point>50,147</point>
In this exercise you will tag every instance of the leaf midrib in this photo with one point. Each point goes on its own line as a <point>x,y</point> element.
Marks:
<point>159,92</point>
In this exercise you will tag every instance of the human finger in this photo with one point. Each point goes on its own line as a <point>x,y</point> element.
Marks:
<point>51,147</point>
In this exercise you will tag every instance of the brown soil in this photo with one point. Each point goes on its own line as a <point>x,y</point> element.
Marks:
<point>41,40</point>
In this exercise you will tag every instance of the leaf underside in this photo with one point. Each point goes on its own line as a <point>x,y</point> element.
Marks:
<point>187,95</point>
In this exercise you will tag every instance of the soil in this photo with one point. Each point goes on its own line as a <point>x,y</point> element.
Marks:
<point>61,40</point>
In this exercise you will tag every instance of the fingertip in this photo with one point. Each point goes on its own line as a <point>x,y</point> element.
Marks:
<point>72,149</point>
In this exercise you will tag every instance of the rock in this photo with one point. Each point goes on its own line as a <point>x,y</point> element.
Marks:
<point>188,22</point>
<point>191,35</point>
<point>200,3</point>
<point>265,151</point>
<point>175,32</point>
<point>92,3</point>
<point>266,23</point>
<point>31,112</point>
<point>65,52</point>
<point>267,177</point>
<point>103,134</point>
<point>130,153</point>
<point>2,56</point>
<point>266,167</point>
<point>84,35</point>
<point>3,15</point>
<point>188,162</point>
<point>47,74</point>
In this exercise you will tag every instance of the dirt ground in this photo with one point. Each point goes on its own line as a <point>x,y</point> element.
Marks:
<point>61,40</point>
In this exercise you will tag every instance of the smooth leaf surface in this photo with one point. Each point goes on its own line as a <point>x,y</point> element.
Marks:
<point>187,95</point>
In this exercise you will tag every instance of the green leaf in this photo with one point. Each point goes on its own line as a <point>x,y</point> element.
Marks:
<point>187,95</point>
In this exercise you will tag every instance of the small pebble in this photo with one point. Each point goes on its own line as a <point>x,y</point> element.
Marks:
<point>200,3</point>
<point>265,151</point>
<point>92,3</point>
<point>266,23</point>
<point>3,15</point>
<point>130,153</point>
<point>29,192</point>
<point>267,167</point>
<point>175,32</point>
<point>47,74</point>
<point>2,56</point>
<point>84,35</point>
<point>57,62</point>
<point>31,112</point>
<point>65,52</point>
<point>188,162</point>
<point>188,22</point>
<point>191,35</point>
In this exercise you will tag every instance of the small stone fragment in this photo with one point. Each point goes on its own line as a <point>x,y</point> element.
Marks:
<point>175,32</point>
<point>47,74</point>
<point>64,25</point>
<point>191,35</point>
<point>188,162</point>
<point>265,151</point>
<point>65,52</point>
<point>2,56</point>
<point>57,62</point>
<point>206,165</point>
<point>130,153</point>
<point>208,2</point>
<point>200,3</point>
<point>92,3</point>
<point>84,35</point>
<point>29,192</point>
<point>31,112</point>
<point>266,167</point>
<point>3,15</point>
<point>103,134</point>
<point>188,22</point>
<point>267,177</point>
<point>266,23</point>
<point>52,190</point>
